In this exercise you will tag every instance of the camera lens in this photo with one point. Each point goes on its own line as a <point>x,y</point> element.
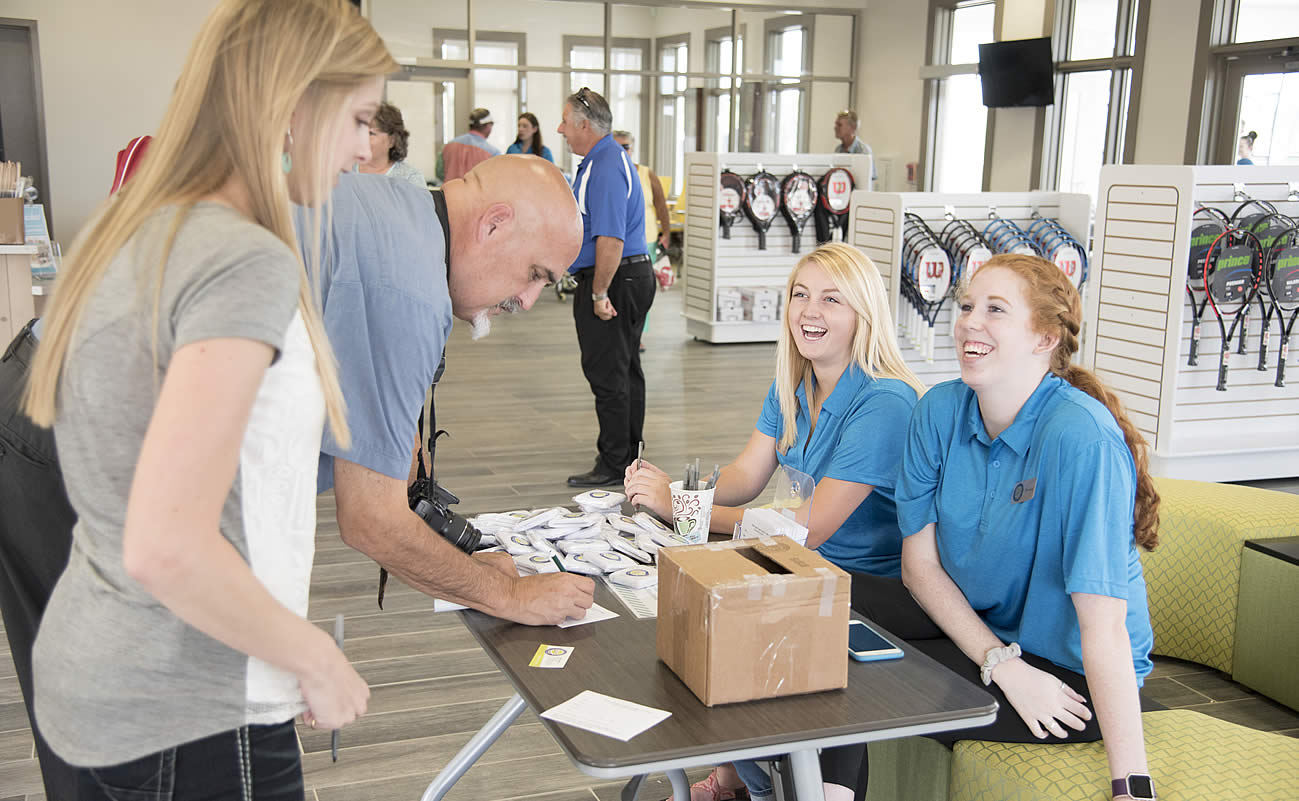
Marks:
<point>461,533</point>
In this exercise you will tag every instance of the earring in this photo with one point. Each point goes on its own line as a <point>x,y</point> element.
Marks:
<point>286,161</point>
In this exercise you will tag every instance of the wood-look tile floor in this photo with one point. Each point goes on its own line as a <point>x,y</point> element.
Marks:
<point>521,419</point>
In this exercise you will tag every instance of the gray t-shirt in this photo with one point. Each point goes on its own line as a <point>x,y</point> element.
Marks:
<point>117,675</point>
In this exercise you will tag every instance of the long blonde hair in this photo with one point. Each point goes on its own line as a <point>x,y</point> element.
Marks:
<point>874,345</point>
<point>1057,311</point>
<point>253,63</point>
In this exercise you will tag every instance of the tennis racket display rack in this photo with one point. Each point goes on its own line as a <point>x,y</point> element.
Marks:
<point>1143,325</point>
<point>876,227</point>
<point>712,263</point>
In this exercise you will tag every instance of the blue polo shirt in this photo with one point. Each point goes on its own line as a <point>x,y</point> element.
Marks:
<point>1042,511</point>
<point>859,437</point>
<point>518,148</point>
<point>387,312</point>
<point>611,201</point>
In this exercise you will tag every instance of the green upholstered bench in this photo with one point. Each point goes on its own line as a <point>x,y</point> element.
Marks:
<point>1193,757</point>
<point>1193,577</point>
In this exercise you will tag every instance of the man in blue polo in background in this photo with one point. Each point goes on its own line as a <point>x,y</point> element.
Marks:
<point>615,284</point>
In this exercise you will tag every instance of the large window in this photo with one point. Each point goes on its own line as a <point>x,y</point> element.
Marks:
<point>500,91</point>
<point>789,55</point>
<point>627,95</point>
<point>1261,20</point>
<point>679,76</point>
<point>1089,124</point>
<point>724,53</point>
<point>958,120</point>
<point>674,61</point>
<point>1256,93</point>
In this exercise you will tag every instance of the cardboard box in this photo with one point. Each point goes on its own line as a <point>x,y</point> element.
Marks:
<point>753,618</point>
<point>12,231</point>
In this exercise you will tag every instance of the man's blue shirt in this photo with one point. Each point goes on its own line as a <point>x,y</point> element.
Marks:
<point>609,196</point>
<point>1023,520</point>
<point>858,437</point>
<point>387,312</point>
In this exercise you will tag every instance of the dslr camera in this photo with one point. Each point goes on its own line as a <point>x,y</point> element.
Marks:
<point>433,504</point>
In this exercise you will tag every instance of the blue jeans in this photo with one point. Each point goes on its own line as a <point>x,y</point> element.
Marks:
<point>251,762</point>
<point>755,778</point>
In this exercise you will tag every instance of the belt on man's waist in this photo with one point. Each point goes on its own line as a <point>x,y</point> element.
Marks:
<point>23,346</point>
<point>627,261</point>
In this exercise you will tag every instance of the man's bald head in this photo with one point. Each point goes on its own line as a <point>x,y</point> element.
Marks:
<point>514,228</point>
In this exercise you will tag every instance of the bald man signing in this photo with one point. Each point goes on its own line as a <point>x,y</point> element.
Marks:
<point>398,264</point>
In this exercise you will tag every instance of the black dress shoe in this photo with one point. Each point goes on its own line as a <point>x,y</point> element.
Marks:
<point>598,476</point>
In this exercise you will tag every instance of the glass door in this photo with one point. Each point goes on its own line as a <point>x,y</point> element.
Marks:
<point>1260,122</point>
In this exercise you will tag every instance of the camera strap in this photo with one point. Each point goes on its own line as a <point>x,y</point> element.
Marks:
<point>423,478</point>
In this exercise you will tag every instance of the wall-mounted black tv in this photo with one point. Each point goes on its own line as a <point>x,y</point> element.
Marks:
<point>1017,73</point>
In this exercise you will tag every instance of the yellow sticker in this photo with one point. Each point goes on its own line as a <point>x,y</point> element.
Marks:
<point>551,656</point>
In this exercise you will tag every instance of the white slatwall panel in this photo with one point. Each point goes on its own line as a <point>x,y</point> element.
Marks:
<point>1144,320</point>
<point>712,262</point>
<point>876,228</point>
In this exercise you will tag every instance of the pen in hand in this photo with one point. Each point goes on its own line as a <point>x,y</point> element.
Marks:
<point>640,458</point>
<point>333,736</point>
<point>559,564</point>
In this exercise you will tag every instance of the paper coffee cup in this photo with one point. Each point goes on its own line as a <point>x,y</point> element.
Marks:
<point>692,511</point>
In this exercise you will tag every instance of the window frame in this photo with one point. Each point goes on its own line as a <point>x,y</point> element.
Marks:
<point>667,162</point>
<point>1130,28</point>
<point>938,52</point>
<point>736,34</point>
<point>772,28</point>
<point>1222,64</point>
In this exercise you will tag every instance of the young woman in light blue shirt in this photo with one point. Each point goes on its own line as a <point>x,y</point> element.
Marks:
<point>1023,498</point>
<point>838,411</point>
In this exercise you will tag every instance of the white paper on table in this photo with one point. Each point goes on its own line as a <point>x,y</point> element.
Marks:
<point>440,605</point>
<point>593,615</point>
<point>604,714</point>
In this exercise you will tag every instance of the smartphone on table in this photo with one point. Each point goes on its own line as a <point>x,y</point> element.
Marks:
<point>867,645</point>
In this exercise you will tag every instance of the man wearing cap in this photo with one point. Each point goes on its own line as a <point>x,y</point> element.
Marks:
<point>463,153</point>
<point>845,130</point>
<point>615,284</point>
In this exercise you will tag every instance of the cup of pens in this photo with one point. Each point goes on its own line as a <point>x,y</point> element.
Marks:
<point>692,504</point>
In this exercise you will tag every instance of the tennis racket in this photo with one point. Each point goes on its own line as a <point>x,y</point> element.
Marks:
<point>1203,237</point>
<point>1231,278</point>
<point>930,270</point>
<point>761,203</point>
<point>832,211</point>
<point>730,199</point>
<point>1283,291</point>
<point>1274,238</point>
<point>798,196</point>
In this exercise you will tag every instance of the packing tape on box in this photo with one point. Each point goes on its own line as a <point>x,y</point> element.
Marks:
<point>768,541</point>
<point>828,583</point>
<point>755,591</point>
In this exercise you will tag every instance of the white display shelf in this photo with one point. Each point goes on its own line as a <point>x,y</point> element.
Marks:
<point>1143,327</point>
<point>711,262</point>
<point>876,227</point>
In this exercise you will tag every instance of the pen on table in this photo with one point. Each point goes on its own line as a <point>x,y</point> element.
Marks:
<point>333,736</point>
<point>559,564</point>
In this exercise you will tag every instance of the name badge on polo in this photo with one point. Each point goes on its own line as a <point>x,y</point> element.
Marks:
<point>1024,490</point>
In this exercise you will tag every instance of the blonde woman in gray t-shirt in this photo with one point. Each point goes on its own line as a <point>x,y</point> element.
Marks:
<point>186,373</point>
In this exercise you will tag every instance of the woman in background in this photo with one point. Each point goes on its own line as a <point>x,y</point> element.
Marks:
<point>1245,148</point>
<point>529,138</point>
<point>389,141</point>
<point>186,372</point>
